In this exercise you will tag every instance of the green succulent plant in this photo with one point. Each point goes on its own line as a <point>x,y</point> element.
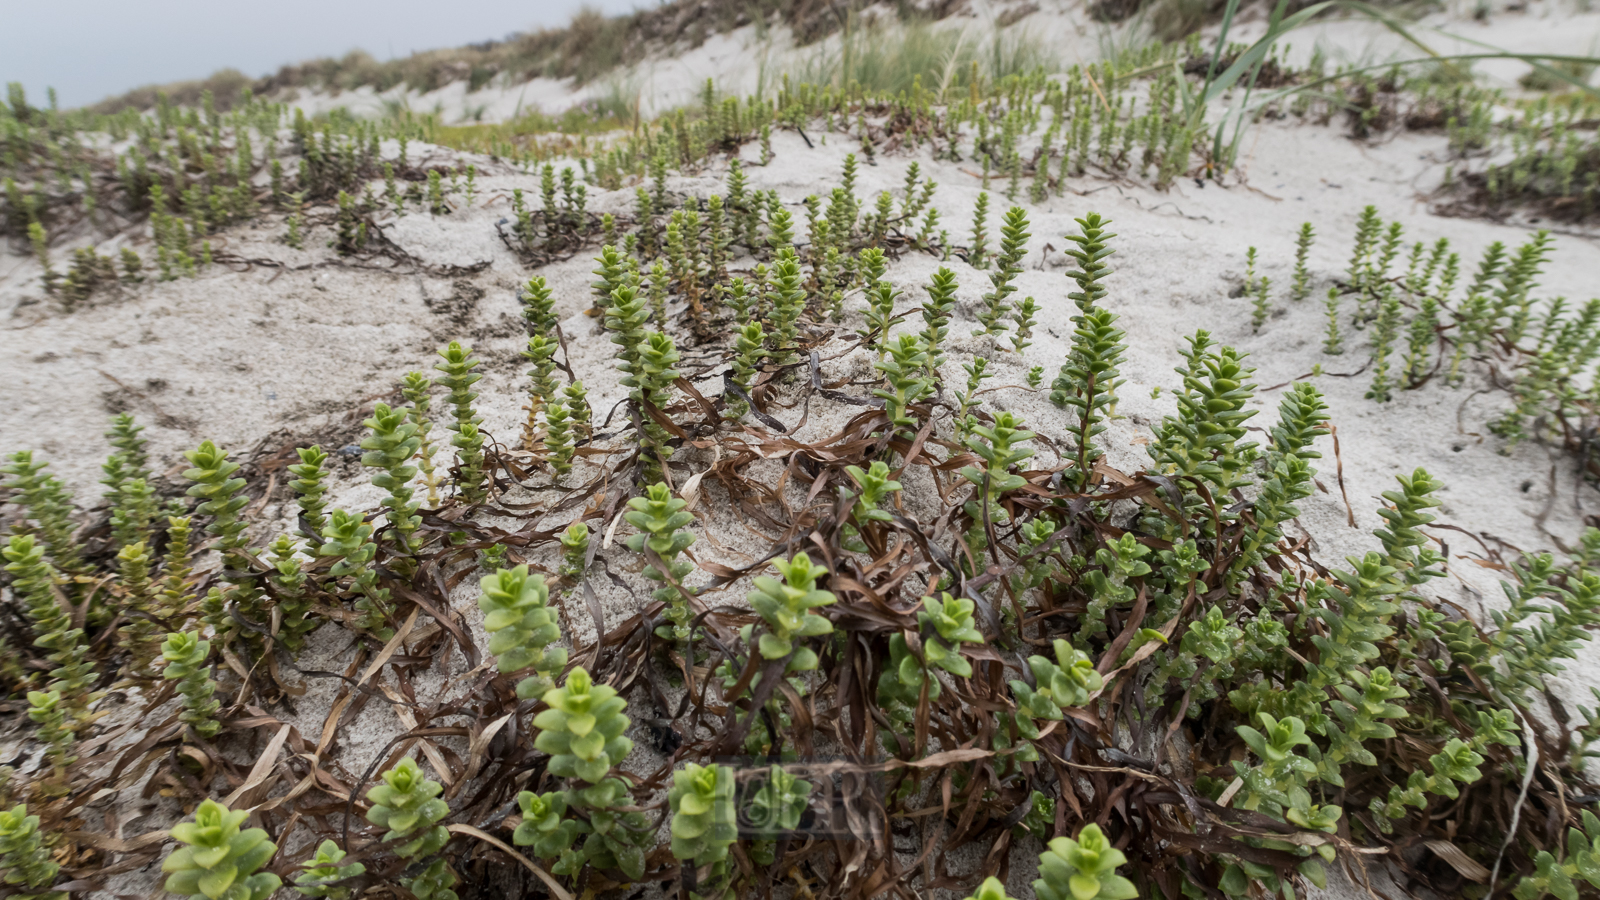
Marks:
<point>1007,266</point>
<point>704,822</point>
<point>322,871</point>
<point>906,373</point>
<point>660,517</point>
<point>582,729</point>
<point>578,407</point>
<point>539,305</point>
<point>417,389</point>
<point>545,826</point>
<point>1083,868</point>
<point>222,498</point>
<point>787,298</point>
<point>308,486</point>
<point>997,446</point>
<point>558,449</point>
<point>1062,683</point>
<point>392,444</point>
<point>749,349</point>
<point>349,539</point>
<point>218,861</point>
<point>936,314</point>
<point>24,858</point>
<point>47,503</point>
<point>785,609</point>
<point>55,731</point>
<point>408,807</point>
<point>521,628</point>
<point>650,378</point>
<point>294,602</point>
<point>775,809</point>
<point>138,636</point>
<point>34,581</point>
<point>946,623</point>
<point>186,656</point>
<point>455,367</point>
<point>574,552</point>
<point>991,889</point>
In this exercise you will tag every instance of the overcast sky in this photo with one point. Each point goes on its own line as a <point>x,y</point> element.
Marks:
<point>91,49</point>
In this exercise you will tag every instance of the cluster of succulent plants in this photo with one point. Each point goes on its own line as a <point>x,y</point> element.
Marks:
<point>1323,706</point>
<point>1431,328</point>
<point>1533,153</point>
